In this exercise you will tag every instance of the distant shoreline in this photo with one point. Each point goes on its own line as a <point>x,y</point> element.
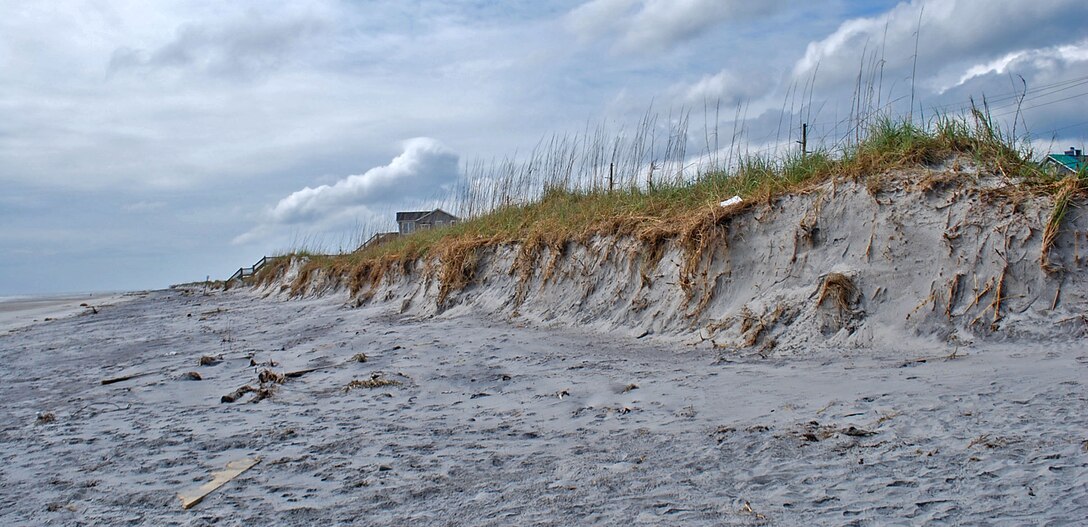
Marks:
<point>58,296</point>
<point>19,311</point>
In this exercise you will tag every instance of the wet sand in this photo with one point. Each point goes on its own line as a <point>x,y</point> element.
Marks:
<point>492,423</point>
<point>23,311</point>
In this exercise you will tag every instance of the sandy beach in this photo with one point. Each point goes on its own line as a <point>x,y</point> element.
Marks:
<point>582,263</point>
<point>487,422</point>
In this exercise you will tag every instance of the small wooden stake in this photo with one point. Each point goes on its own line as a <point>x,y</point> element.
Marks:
<point>233,470</point>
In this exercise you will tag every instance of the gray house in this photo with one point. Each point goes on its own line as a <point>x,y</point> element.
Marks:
<point>409,222</point>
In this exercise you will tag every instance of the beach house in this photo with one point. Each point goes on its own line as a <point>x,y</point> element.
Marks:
<point>409,222</point>
<point>1071,161</point>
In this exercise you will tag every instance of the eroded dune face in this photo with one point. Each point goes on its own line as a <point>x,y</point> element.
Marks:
<point>936,256</point>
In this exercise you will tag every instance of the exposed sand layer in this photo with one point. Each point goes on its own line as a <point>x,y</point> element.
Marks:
<point>496,424</point>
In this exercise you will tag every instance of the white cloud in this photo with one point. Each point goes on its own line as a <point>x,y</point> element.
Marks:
<point>421,171</point>
<point>999,65</point>
<point>424,170</point>
<point>1039,59</point>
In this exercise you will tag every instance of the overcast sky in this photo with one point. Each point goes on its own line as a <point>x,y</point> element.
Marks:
<point>150,143</point>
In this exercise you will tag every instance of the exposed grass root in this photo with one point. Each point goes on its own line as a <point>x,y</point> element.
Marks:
<point>652,252</point>
<point>998,298</point>
<point>1062,198</point>
<point>953,294</point>
<point>842,292</point>
<point>460,260</point>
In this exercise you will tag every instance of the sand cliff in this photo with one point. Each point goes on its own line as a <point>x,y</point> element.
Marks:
<point>936,257</point>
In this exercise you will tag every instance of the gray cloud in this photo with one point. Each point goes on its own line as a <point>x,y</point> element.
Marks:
<point>143,206</point>
<point>243,47</point>
<point>955,36</point>
<point>726,87</point>
<point>639,25</point>
<point>202,120</point>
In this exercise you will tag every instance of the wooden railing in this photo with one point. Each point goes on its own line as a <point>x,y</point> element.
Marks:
<point>246,272</point>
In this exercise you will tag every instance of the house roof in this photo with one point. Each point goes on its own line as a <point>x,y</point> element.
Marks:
<point>423,215</point>
<point>1068,162</point>
<point>412,216</point>
<point>436,213</point>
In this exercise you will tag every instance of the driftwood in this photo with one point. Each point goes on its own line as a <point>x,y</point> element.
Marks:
<point>237,394</point>
<point>289,375</point>
<point>233,470</point>
<point>127,377</point>
<point>300,373</point>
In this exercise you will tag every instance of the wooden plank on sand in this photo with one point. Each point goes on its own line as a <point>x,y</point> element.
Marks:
<point>234,468</point>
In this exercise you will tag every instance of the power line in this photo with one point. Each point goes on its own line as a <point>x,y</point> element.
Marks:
<point>1066,127</point>
<point>1035,92</point>
<point>1048,103</point>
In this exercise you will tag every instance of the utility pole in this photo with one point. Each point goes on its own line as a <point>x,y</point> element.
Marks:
<point>611,174</point>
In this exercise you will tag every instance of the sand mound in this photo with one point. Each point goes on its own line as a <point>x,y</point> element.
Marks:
<point>938,256</point>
